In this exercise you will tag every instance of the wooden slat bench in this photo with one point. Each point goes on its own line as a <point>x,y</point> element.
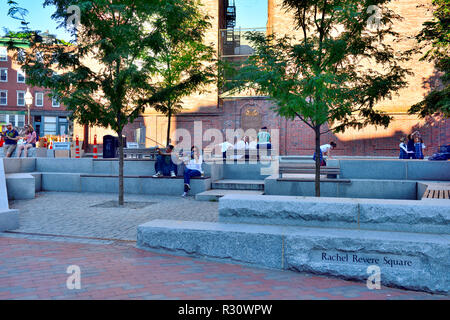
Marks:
<point>302,168</point>
<point>437,191</point>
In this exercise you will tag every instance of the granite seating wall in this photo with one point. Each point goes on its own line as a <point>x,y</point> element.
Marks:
<point>408,241</point>
<point>9,219</point>
<point>27,176</point>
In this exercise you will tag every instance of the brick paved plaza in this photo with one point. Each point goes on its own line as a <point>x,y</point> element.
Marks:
<point>33,265</point>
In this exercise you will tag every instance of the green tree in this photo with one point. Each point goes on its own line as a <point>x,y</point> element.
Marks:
<point>335,74</point>
<point>436,33</point>
<point>99,79</point>
<point>184,64</point>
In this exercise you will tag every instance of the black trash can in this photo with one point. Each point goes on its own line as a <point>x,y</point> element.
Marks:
<point>110,145</point>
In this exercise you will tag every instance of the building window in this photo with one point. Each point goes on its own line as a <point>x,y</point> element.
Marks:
<point>20,121</point>
<point>49,125</point>
<point>3,75</point>
<point>20,76</point>
<point>3,98</point>
<point>21,98</point>
<point>3,54</point>
<point>55,102</point>
<point>39,99</point>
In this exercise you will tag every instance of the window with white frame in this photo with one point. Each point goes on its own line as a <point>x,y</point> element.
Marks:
<point>20,120</point>
<point>21,98</point>
<point>3,54</point>
<point>55,102</point>
<point>3,97</point>
<point>20,76</point>
<point>50,125</point>
<point>3,75</point>
<point>39,99</point>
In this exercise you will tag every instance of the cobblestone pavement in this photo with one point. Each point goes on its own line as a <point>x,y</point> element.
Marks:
<point>73,214</point>
<point>31,269</point>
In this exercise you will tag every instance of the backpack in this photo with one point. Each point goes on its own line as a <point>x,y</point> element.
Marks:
<point>438,157</point>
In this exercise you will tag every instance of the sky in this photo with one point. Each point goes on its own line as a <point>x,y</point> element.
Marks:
<point>39,18</point>
<point>250,14</point>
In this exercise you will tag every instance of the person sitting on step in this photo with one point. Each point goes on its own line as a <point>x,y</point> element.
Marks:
<point>193,169</point>
<point>30,141</point>
<point>164,164</point>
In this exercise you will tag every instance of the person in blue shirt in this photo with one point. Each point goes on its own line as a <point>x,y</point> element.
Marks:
<point>11,137</point>
<point>419,146</point>
<point>403,149</point>
<point>410,145</point>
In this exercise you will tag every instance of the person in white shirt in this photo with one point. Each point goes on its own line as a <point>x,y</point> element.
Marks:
<point>225,147</point>
<point>241,144</point>
<point>253,145</point>
<point>325,150</point>
<point>193,169</point>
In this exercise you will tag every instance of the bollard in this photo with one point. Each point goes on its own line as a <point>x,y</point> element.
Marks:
<point>95,147</point>
<point>77,148</point>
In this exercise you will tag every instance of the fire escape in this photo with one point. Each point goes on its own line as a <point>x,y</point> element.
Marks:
<point>230,40</point>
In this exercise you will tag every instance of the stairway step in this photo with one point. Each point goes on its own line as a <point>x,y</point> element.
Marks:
<point>238,184</point>
<point>409,260</point>
<point>216,194</point>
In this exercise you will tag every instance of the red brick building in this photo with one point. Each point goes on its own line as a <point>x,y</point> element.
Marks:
<point>234,112</point>
<point>47,115</point>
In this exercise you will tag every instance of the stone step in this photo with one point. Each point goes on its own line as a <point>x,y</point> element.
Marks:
<point>368,214</point>
<point>216,194</point>
<point>229,184</point>
<point>408,260</point>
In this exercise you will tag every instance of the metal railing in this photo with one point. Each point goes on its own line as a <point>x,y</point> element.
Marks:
<point>233,43</point>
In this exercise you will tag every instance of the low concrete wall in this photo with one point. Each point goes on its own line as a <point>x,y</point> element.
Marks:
<point>138,185</point>
<point>9,219</point>
<point>31,153</point>
<point>19,165</point>
<point>246,171</point>
<point>412,261</point>
<point>395,169</point>
<point>356,188</point>
<point>21,186</point>
<point>368,214</point>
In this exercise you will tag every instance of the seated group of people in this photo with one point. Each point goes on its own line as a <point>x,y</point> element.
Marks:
<point>164,166</point>
<point>11,137</point>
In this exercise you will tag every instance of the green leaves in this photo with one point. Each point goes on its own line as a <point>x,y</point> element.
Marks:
<point>437,34</point>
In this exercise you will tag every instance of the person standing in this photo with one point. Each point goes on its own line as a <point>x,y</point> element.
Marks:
<point>419,146</point>
<point>264,139</point>
<point>11,137</point>
<point>410,145</point>
<point>193,169</point>
<point>403,149</point>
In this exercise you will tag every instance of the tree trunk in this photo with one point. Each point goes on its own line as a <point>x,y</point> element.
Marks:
<point>85,138</point>
<point>317,178</point>
<point>169,117</point>
<point>121,198</point>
